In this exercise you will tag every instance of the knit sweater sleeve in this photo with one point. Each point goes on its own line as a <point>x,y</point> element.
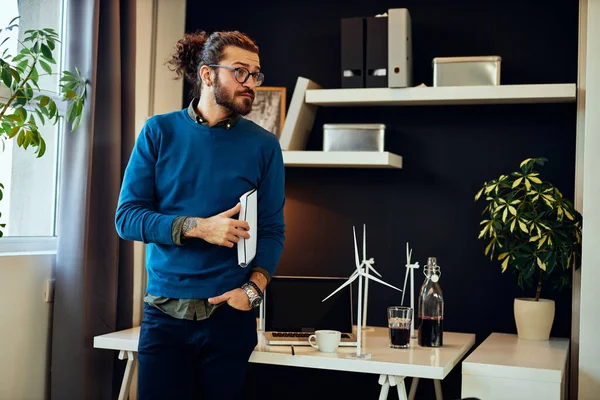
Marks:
<point>136,215</point>
<point>271,200</point>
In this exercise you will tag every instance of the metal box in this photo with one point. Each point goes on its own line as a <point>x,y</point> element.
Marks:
<point>466,71</point>
<point>353,137</point>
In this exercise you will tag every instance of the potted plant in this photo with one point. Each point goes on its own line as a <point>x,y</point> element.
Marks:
<point>534,230</point>
<point>24,106</point>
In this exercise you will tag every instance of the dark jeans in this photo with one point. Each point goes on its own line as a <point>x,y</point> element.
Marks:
<point>182,359</point>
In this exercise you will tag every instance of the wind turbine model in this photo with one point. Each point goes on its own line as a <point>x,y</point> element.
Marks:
<point>369,264</point>
<point>410,267</point>
<point>360,273</point>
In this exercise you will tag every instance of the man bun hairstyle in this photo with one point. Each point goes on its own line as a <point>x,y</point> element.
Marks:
<point>197,49</point>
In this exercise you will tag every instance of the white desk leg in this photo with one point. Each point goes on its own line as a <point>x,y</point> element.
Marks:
<point>391,380</point>
<point>385,387</point>
<point>401,387</point>
<point>437,384</point>
<point>413,388</point>
<point>129,368</point>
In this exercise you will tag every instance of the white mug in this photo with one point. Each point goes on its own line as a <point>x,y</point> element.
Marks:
<point>327,341</point>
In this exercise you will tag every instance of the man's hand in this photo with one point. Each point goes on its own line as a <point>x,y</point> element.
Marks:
<point>220,229</point>
<point>236,298</point>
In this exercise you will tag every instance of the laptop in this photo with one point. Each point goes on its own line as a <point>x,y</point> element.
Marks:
<point>294,310</point>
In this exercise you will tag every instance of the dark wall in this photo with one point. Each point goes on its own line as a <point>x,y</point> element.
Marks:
<point>448,152</point>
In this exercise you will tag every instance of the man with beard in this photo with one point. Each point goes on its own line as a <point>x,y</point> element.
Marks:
<point>180,196</point>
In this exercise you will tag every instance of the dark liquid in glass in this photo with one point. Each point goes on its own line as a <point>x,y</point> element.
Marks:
<point>400,336</point>
<point>431,331</point>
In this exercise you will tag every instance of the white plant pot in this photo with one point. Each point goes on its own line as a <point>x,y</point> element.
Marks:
<point>534,318</point>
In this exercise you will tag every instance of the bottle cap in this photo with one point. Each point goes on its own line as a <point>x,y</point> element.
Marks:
<point>432,270</point>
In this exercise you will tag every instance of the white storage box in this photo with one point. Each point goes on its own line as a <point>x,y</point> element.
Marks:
<point>353,137</point>
<point>466,71</point>
<point>505,367</point>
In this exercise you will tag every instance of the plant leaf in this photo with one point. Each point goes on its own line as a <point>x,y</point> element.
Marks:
<point>512,210</point>
<point>568,214</point>
<point>41,148</point>
<point>525,162</point>
<point>541,264</point>
<point>40,116</point>
<point>46,52</point>
<point>512,225</point>
<point>13,131</point>
<point>47,68</point>
<point>516,182</point>
<point>482,233</point>
<point>478,195</point>
<point>6,76</point>
<point>487,249</point>
<point>505,264</point>
<point>501,256</point>
<point>534,179</point>
<point>71,111</point>
<point>523,227</point>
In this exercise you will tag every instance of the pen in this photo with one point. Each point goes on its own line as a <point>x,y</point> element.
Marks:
<point>293,352</point>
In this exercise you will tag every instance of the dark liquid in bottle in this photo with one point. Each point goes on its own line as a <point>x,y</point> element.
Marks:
<point>400,336</point>
<point>431,331</point>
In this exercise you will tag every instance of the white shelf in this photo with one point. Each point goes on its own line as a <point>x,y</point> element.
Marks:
<point>342,159</point>
<point>448,95</point>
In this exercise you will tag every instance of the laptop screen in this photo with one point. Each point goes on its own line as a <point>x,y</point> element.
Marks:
<point>295,304</point>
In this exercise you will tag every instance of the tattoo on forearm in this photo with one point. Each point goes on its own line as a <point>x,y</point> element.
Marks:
<point>188,225</point>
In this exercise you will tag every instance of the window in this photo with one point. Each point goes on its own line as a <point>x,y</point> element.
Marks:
<point>29,205</point>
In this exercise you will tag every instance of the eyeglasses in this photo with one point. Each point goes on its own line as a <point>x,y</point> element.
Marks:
<point>242,74</point>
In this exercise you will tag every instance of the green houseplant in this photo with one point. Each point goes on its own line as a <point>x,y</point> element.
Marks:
<point>532,229</point>
<point>24,106</point>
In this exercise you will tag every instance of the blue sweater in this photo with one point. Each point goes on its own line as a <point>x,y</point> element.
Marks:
<point>181,168</point>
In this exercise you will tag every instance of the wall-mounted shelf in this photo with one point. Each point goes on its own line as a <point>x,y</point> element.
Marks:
<point>502,94</point>
<point>342,159</point>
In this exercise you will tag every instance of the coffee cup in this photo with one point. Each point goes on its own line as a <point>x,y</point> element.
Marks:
<point>326,341</point>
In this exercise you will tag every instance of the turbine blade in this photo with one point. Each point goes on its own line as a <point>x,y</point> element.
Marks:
<point>356,250</point>
<point>349,281</point>
<point>364,241</point>
<point>380,281</point>
<point>374,270</point>
<point>404,287</point>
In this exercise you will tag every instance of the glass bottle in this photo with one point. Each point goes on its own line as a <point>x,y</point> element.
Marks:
<point>431,307</point>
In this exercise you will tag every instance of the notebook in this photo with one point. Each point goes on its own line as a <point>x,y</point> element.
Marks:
<point>293,310</point>
<point>246,248</point>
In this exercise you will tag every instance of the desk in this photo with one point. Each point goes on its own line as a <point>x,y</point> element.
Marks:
<point>392,365</point>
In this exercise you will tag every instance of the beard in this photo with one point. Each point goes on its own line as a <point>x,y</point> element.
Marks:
<point>234,102</point>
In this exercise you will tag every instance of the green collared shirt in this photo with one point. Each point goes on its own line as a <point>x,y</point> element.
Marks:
<point>192,309</point>
<point>192,110</point>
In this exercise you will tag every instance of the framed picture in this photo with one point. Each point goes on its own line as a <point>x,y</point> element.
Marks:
<point>268,109</point>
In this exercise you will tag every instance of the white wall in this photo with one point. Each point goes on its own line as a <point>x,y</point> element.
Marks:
<point>589,347</point>
<point>24,326</point>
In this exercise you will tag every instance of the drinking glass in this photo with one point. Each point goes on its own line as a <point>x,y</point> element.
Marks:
<point>399,322</point>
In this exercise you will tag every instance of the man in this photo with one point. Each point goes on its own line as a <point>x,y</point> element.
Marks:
<point>180,195</point>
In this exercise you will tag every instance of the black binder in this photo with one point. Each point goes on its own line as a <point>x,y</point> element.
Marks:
<point>353,52</point>
<point>377,52</point>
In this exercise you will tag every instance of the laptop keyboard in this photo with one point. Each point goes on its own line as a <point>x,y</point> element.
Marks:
<point>303,335</point>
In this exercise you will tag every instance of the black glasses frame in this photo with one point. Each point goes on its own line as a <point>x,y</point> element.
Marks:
<point>259,77</point>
